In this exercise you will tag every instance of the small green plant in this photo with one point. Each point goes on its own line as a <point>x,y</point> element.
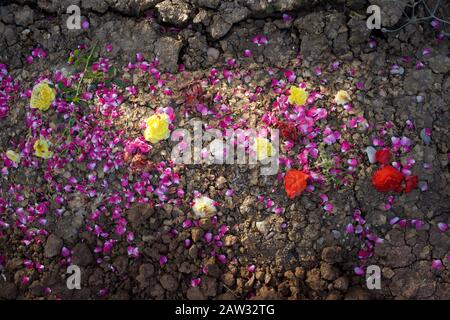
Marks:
<point>413,14</point>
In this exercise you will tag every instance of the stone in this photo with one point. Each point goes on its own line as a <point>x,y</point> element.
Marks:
<point>167,50</point>
<point>133,7</point>
<point>68,227</point>
<point>418,80</point>
<point>8,290</point>
<point>210,4</point>
<point>359,33</point>
<point>341,283</point>
<point>247,205</point>
<point>223,21</point>
<point>52,246</point>
<point>169,282</point>
<point>128,37</point>
<point>315,46</point>
<point>228,279</point>
<point>174,12</point>
<point>195,293</point>
<point>146,271</point>
<point>357,293</point>
<point>139,214</point>
<point>213,54</point>
<point>24,16</point>
<point>400,257</point>
<point>332,254</point>
<point>371,154</point>
<point>209,286</point>
<point>313,280</point>
<point>312,23</point>
<point>391,11</point>
<point>95,5</point>
<point>262,227</point>
<point>328,272</point>
<point>413,282</point>
<point>229,240</point>
<point>81,255</point>
<point>439,63</point>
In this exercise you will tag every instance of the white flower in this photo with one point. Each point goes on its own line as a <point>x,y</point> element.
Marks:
<point>203,207</point>
<point>342,97</point>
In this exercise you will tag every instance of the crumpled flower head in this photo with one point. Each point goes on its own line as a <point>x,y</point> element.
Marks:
<point>42,96</point>
<point>295,182</point>
<point>297,96</point>
<point>157,128</point>
<point>203,207</point>
<point>388,179</point>
<point>263,148</point>
<point>13,156</point>
<point>41,148</point>
<point>342,97</point>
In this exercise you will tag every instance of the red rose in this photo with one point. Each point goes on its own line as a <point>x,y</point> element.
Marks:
<point>295,182</point>
<point>288,130</point>
<point>410,183</point>
<point>388,179</point>
<point>383,156</point>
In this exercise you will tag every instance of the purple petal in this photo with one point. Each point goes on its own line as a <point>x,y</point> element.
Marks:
<point>394,220</point>
<point>359,271</point>
<point>437,264</point>
<point>442,226</point>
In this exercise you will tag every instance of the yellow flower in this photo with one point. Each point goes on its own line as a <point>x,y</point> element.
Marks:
<point>263,148</point>
<point>41,148</point>
<point>297,96</point>
<point>42,96</point>
<point>157,128</point>
<point>13,156</point>
<point>342,97</point>
<point>203,207</point>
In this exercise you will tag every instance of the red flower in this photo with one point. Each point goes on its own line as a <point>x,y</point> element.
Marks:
<point>410,183</point>
<point>383,156</point>
<point>288,130</point>
<point>295,182</point>
<point>388,179</point>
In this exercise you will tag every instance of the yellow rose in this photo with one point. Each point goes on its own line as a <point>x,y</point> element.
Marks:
<point>157,128</point>
<point>203,207</point>
<point>297,96</point>
<point>13,156</point>
<point>342,97</point>
<point>41,149</point>
<point>42,96</point>
<point>263,148</point>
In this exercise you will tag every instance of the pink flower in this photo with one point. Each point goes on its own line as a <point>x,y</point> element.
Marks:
<point>196,282</point>
<point>85,24</point>
<point>359,271</point>
<point>442,226</point>
<point>260,40</point>
<point>247,53</point>
<point>436,264</point>
<point>133,251</point>
<point>222,258</point>
<point>162,260</point>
